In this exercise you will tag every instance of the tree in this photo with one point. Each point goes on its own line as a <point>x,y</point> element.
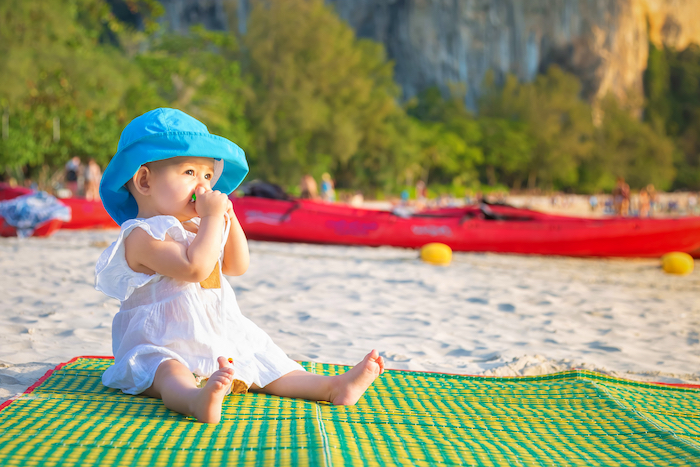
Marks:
<point>557,121</point>
<point>321,99</point>
<point>62,87</point>
<point>448,136</point>
<point>672,91</point>
<point>629,148</point>
<point>198,74</point>
<point>507,149</point>
<point>656,88</point>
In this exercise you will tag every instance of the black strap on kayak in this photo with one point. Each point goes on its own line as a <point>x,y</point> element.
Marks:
<point>470,215</point>
<point>285,216</point>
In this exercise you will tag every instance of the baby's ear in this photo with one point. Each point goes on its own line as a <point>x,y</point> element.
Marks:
<point>141,180</point>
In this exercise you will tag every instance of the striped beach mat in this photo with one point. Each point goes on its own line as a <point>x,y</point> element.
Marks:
<point>406,418</point>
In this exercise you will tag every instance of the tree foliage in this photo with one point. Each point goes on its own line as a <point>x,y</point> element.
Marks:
<point>301,94</point>
<point>558,122</point>
<point>62,88</point>
<point>672,87</point>
<point>448,138</point>
<point>507,147</point>
<point>198,74</point>
<point>321,99</point>
<point>629,148</point>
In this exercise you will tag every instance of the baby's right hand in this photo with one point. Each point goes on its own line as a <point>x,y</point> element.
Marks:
<point>210,203</point>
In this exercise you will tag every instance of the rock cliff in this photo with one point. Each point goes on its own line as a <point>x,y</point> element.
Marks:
<point>437,42</point>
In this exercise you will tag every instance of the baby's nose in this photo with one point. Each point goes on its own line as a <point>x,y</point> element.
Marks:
<point>204,183</point>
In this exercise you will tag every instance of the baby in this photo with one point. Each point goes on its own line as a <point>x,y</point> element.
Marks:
<point>168,186</point>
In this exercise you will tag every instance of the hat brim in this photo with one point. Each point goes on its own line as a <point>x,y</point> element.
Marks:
<point>121,205</point>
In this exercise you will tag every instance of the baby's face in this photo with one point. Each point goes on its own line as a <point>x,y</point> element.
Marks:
<point>175,180</point>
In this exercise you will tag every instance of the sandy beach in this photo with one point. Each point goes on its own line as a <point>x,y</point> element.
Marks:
<point>484,314</point>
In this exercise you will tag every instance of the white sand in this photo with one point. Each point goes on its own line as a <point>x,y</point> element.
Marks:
<point>484,314</point>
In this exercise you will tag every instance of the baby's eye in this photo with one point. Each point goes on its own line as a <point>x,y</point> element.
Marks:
<point>189,172</point>
<point>207,176</point>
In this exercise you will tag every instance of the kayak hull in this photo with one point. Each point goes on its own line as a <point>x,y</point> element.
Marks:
<point>43,230</point>
<point>84,214</point>
<point>87,215</point>
<point>462,229</point>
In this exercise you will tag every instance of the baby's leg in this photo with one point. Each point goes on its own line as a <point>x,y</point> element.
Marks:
<point>345,389</point>
<point>175,385</point>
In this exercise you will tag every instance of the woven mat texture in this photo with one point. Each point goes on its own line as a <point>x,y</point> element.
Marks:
<point>405,418</point>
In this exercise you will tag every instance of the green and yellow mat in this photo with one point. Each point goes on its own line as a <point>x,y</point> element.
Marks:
<point>405,418</point>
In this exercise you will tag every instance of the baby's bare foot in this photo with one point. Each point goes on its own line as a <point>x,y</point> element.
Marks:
<point>207,405</point>
<point>351,385</point>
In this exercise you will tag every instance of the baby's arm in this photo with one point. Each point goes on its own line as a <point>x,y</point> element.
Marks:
<point>170,258</point>
<point>236,255</point>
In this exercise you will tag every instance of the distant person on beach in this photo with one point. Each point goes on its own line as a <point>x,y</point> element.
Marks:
<point>71,174</point>
<point>593,201</point>
<point>308,187</point>
<point>653,199</point>
<point>179,334</point>
<point>692,203</point>
<point>421,191</point>
<point>327,188</point>
<point>468,197</point>
<point>621,197</point>
<point>93,175</point>
<point>357,199</point>
<point>644,203</point>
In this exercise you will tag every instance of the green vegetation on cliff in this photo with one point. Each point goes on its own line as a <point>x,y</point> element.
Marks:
<point>301,94</point>
<point>672,88</point>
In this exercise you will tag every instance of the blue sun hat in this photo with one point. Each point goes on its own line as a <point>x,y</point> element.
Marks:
<point>164,134</point>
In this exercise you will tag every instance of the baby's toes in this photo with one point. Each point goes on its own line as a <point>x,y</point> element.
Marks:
<point>225,379</point>
<point>224,372</point>
<point>222,383</point>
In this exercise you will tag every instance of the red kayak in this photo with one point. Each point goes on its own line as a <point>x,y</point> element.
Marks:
<point>43,230</point>
<point>6,230</point>
<point>87,215</point>
<point>500,229</point>
<point>8,192</point>
<point>84,214</point>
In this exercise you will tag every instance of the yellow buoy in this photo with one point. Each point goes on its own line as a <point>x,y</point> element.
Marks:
<point>677,263</point>
<point>436,253</point>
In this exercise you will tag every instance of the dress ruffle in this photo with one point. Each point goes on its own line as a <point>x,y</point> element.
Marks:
<point>113,276</point>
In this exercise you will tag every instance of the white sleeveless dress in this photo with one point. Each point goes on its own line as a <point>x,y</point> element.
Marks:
<point>161,318</point>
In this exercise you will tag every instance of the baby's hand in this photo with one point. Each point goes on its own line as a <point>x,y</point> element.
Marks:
<point>210,203</point>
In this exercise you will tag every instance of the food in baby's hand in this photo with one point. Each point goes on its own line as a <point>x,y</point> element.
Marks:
<point>239,387</point>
